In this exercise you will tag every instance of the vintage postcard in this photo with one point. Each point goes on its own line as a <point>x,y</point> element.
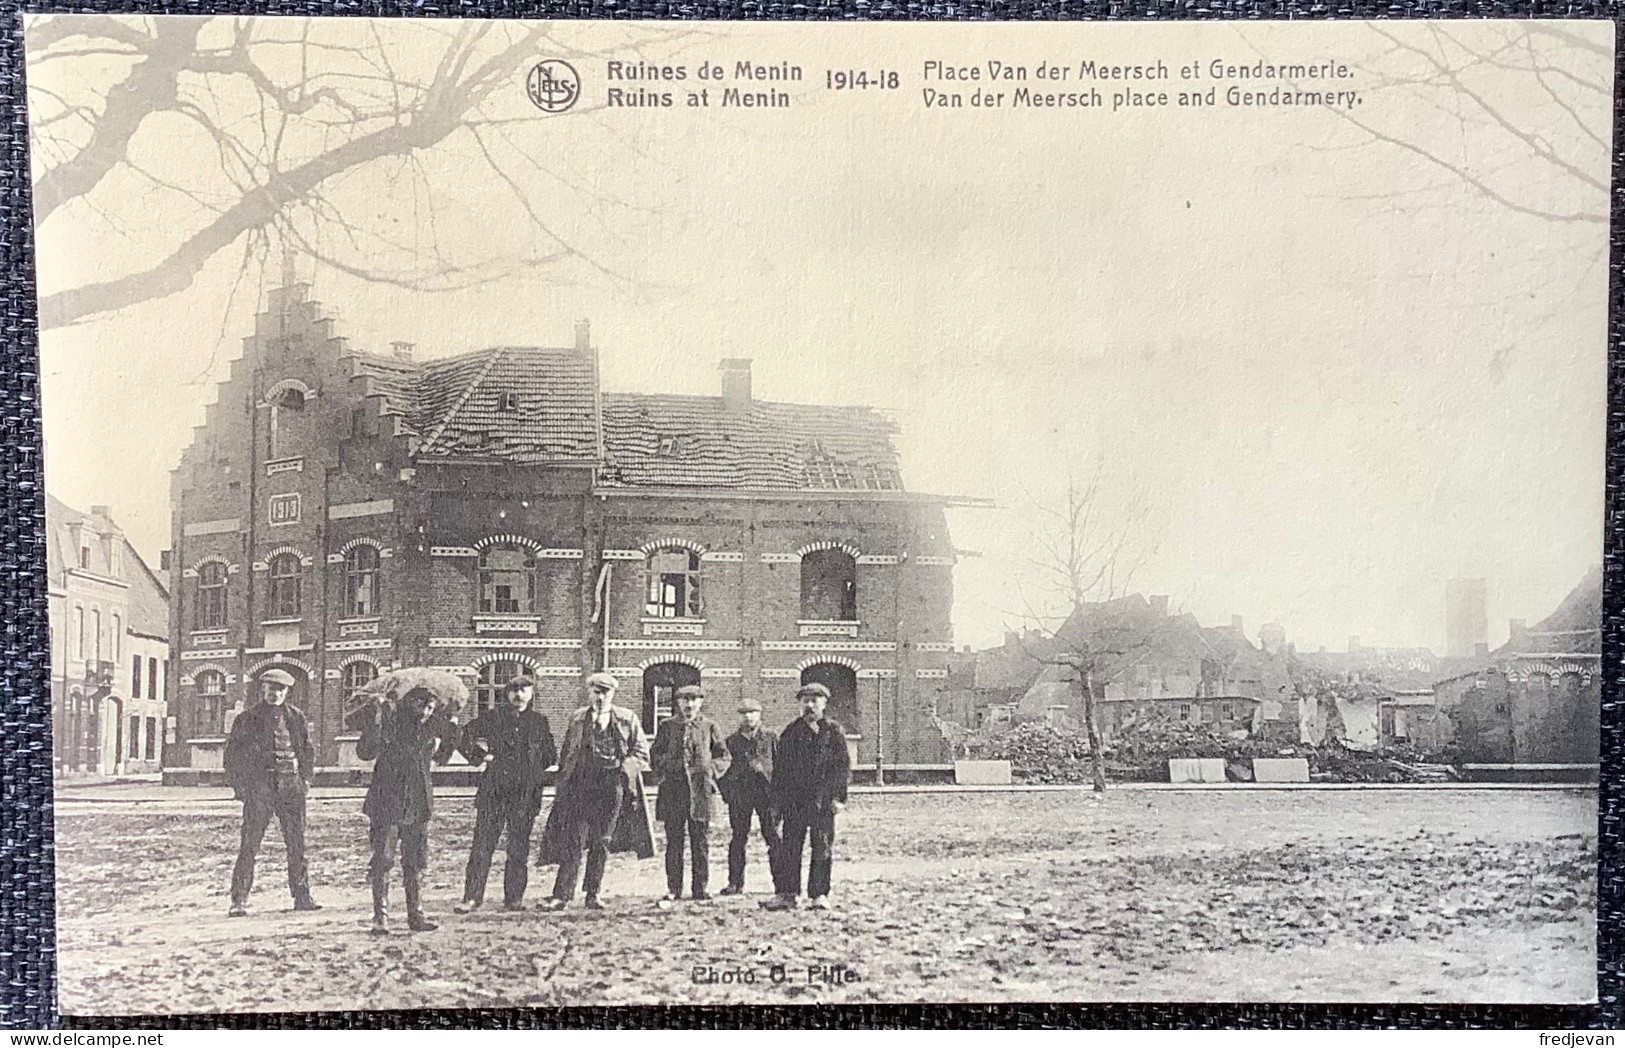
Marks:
<point>583,513</point>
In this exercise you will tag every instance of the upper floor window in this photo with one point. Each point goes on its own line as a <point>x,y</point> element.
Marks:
<point>116,641</point>
<point>284,593</point>
<point>286,399</point>
<point>211,596</point>
<point>79,631</point>
<point>135,678</point>
<point>96,630</point>
<point>507,581</point>
<point>674,585</point>
<point>829,585</point>
<point>211,702</point>
<point>361,581</point>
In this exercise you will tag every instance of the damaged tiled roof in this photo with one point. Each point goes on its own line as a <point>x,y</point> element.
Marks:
<point>515,404</point>
<point>689,441</point>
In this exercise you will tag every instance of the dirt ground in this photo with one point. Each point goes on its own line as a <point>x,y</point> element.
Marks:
<point>1373,895</point>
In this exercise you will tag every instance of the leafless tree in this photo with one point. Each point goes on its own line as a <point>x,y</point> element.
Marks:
<point>1086,549</point>
<point>1525,113</point>
<point>302,117</point>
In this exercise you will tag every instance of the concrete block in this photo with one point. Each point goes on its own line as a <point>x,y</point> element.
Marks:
<point>1280,769</point>
<point>982,773</point>
<point>1196,769</point>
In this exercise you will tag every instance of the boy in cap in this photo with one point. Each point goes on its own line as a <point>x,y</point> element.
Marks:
<point>518,743</point>
<point>690,754</point>
<point>811,770</point>
<point>269,763</point>
<point>400,798</point>
<point>745,789</point>
<point>600,806</point>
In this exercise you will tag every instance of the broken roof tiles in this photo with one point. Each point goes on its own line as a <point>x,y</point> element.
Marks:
<point>530,405</point>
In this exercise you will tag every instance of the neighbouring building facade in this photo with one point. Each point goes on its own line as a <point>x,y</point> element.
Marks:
<point>1536,700</point>
<point>1168,667</point>
<point>497,513</point>
<point>109,647</point>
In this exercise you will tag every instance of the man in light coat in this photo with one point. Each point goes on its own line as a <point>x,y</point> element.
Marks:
<point>600,805</point>
<point>689,754</point>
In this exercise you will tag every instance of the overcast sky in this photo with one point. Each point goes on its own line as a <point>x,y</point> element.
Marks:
<point>1338,374</point>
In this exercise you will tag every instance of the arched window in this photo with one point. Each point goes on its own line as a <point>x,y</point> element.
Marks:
<point>842,682</point>
<point>674,585</point>
<point>286,399</point>
<point>284,593</point>
<point>829,586</point>
<point>361,581</point>
<point>358,675</point>
<point>660,684</point>
<point>507,581</point>
<point>211,702</point>
<point>211,596</point>
<point>493,675</point>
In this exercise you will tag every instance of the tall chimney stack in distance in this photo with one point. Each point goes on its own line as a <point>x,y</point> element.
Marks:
<point>583,335</point>
<point>736,398</point>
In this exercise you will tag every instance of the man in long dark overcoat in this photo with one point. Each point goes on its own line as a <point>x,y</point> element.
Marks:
<point>689,754</point>
<point>745,789</point>
<point>269,763</point>
<point>600,805</point>
<point>400,799</point>
<point>515,744</point>
<point>811,770</point>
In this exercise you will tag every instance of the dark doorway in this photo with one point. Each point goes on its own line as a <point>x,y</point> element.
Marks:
<point>660,684</point>
<point>842,683</point>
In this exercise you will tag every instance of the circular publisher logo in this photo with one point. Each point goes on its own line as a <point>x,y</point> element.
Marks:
<point>553,85</point>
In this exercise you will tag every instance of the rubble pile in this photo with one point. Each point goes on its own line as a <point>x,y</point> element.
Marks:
<point>1045,753</point>
<point>1038,752</point>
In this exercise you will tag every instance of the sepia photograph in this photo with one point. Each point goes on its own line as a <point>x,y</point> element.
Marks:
<point>581,513</point>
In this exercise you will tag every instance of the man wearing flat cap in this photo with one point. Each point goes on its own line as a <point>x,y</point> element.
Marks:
<point>811,770</point>
<point>599,806</point>
<point>517,742</point>
<point>745,790</point>
<point>689,755</point>
<point>269,763</point>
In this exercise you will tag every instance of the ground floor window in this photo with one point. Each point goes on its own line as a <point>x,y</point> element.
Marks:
<point>842,682</point>
<point>493,677</point>
<point>660,684</point>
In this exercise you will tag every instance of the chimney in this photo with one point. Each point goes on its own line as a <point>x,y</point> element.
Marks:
<point>583,335</point>
<point>735,385</point>
<point>1159,605</point>
<point>402,350</point>
<point>1519,629</point>
<point>102,512</point>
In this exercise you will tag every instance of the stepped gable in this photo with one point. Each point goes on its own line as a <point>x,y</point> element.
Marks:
<point>519,404</point>
<point>661,440</point>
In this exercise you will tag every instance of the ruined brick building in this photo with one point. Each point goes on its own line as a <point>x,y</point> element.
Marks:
<point>497,513</point>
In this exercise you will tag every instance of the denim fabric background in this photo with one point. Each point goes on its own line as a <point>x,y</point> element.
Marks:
<point>27,941</point>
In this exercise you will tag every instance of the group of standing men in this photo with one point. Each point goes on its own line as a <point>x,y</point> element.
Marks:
<point>791,785</point>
